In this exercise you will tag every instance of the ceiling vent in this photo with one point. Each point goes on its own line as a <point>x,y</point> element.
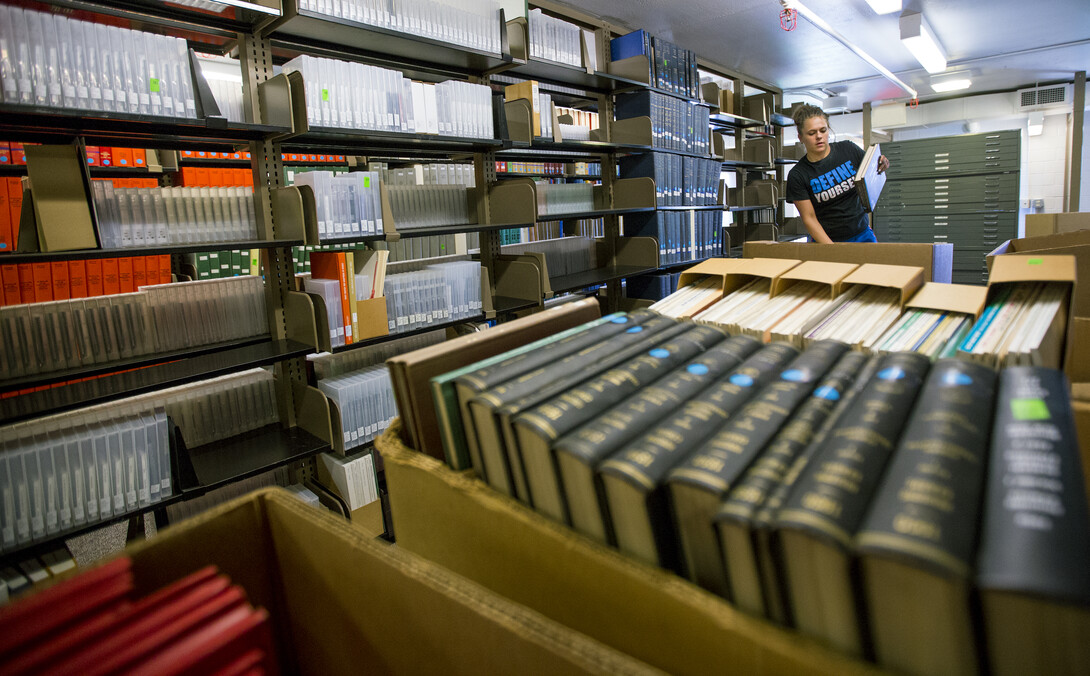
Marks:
<point>1052,96</point>
<point>835,104</point>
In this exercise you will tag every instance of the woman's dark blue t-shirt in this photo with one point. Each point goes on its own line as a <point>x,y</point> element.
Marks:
<point>829,184</point>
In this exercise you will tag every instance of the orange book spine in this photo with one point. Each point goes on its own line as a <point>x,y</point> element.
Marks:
<point>111,282</point>
<point>215,177</point>
<point>94,277</point>
<point>9,275</point>
<point>346,307</point>
<point>15,207</point>
<point>43,283</point>
<point>139,157</point>
<point>164,269</point>
<point>139,272</point>
<point>26,282</point>
<point>124,275</point>
<point>77,279</point>
<point>59,272</point>
<point>151,269</point>
<point>7,240</point>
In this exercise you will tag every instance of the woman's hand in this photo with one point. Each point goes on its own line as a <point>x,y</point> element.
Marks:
<point>883,163</point>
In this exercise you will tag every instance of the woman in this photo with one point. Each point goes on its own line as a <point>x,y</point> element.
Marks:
<point>822,184</point>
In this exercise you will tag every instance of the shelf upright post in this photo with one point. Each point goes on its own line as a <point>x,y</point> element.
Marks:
<point>255,53</point>
<point>612,299</point>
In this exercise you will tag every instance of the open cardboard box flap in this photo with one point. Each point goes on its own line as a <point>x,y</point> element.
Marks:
<point>345,603</point>
<point>962,298</point>
<point>906,279</point>
<point>823,272</point>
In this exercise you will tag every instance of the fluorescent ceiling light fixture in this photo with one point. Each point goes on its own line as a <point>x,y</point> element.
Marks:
<point>1036,124</point>
<point>921,41</point>
<point>824,27</point>
<point>885,6</point>
<point>951,83</point>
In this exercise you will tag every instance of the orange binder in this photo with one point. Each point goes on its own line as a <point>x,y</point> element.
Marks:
<point>77,279</point>
<point>15,207</point>
<point>124,275</point>
<point>111,283</point>
<point>94,277</point>
<point>59,272</point>
<point>9,276</point>
<point>332,265</point>
<point>43,283</point>
<point>123,157</point>
<point>164,269</point>
<point>139,272</point>
<point>151,269</point>
<point>7,240</point>
<point>139,157</point>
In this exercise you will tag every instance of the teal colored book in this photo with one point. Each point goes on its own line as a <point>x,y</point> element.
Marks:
<point>451,430</point>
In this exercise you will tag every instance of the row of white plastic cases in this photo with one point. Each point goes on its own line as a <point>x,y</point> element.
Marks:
<point>366,402</point>
<point>140,217</point>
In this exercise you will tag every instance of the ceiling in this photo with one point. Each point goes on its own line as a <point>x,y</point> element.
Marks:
<point>1006,44</point>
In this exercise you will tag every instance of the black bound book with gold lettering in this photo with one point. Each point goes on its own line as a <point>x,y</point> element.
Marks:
<point>915,546</point>
<point>743,518</point>
<point>579,452</point>
<point>537,428</point>
<point>1033,567</point>
<point>568,371</point>
<point>827,503</point>
<point>700,483</point>
<point>471,384</point>
<point>632,478</point>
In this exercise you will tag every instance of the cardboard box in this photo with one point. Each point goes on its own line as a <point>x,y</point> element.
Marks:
<point>1080,405</point>
<point>455,519</point>
<point>905,278</point>
<point>1056,350</point>
<point>918,255</point>
<point>1039,225</point>
<point>822,272</point>
<point>1075,244</point>
<point>342,602</point>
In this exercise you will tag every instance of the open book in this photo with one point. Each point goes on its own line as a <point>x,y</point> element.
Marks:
<point>868,182</point>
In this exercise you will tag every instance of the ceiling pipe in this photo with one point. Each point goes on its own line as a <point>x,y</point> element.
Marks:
<point>824,27</point>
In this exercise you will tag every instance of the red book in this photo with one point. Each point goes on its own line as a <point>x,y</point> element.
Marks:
<point>139,272</point>
<point>124,275</point>
<point>93,157</point>
<point>216,646</point>
<point>33,658</point>
<point>94,277</point>
<point>111,283</point>
<point>18,154</point>
<point>106,156</point>
<point>59,272</point>
<point>77,279</point>
<point>164,269</point>
<point>332,265</point>
<point>5,153</point>
<point>39,615</point>
<point>9,276</point>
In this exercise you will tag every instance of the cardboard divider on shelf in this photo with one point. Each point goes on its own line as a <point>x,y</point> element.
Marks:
<point>512,201</point>
<point>1056,350</point>
<point>283,103</point>
<point>641,610</point>
<point>322,578</point>
<point>634,193</point>
<point>965,299</point>
<point>306,312</point>
<point>318,415</point>
<point>636,68</point>
<point>920,255</point>
<point>632,131</point>
<point>295,214</point>
<point>823,272</point>
<point>58,212</point>
<point>906,279</point>
<point>520,120</point>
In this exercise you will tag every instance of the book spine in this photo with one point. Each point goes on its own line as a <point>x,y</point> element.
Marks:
<point>771,468</point>
<point>982,324</point>
<point>346,307</point>
<point>719,462</point>
<point>645,461</point>
<point>507,369</point>
<point>578,405</point>
<point>597,439</point>
<point>926,508</point>
<point>1035,537</point>
<point>833,491</point>
<point>606,352</point>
